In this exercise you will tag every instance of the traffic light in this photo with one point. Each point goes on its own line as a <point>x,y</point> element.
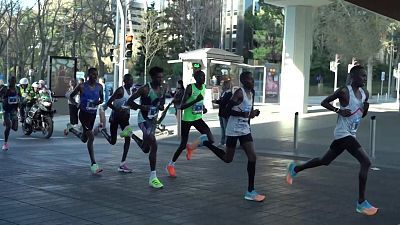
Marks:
<point>128,45</point>
<point>111,54</point>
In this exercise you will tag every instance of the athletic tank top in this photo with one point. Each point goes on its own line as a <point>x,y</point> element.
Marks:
<point>239,126</point>
<point>11,99</point>
<point>89,98</point>
<point>153,100</point>
<point>346,126</point>
<point>195,111</point>
<point>119,103</point>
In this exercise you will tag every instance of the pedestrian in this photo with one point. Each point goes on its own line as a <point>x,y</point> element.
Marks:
<point>354,105</point>
<point>222,112</point>
<point>103,106</point>
<point>177,100</point>
<point>73,108</point>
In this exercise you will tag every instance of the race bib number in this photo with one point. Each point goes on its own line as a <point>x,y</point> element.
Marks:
<point>197,108</point>
<point>241,125</point>
<point>12,100</point>
<point>153,112</point>
<point>91,105</point>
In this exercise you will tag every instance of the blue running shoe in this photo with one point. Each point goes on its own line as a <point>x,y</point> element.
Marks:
<point>202,139</point>
<point>290,173</point>
<point>254,196</point>
<point>366,208</point>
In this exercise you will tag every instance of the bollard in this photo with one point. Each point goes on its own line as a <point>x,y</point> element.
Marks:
<point>372,135</point>
<point>296,129</point>
<point>377,99</point>
<point>386,96</point>
<point>179,121</point>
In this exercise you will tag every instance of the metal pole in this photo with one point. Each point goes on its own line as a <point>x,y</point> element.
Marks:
<point>296,130</point>
<point>179,121</point>
<point>390,64</point>
<point>116,41</point>
<point>372,138</point>
<point>122,43</point>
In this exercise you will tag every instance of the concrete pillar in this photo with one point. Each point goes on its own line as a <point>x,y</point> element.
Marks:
<point>297,48</point>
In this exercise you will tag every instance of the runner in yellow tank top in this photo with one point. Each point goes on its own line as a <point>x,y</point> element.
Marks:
<point>193,110</point>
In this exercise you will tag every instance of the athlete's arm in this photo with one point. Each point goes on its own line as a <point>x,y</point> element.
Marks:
<point>101,95</point>
<point>162,100</point>
<point>75,92</point>
<point>338,94</point>
<point>142,91</point>
<point>186,96</point>
<point>366,103</point>
<point>119,93</point>
<point>236,99</point>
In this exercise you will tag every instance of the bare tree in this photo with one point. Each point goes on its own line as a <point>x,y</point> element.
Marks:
<point>153,38</point>
<point>47,15</point>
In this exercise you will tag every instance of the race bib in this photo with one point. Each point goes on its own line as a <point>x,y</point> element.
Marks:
<point>197,108</point>
<point>241,125</point>
<point>12,100</point>
<point>153,112</point>
<point>91,105</point>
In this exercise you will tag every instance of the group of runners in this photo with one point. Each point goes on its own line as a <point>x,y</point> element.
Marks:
<point>353,100</point>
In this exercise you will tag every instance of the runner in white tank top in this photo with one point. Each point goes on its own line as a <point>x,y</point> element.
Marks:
<point>120,118</point>
<point>240,110</point>
<point>353,106</point>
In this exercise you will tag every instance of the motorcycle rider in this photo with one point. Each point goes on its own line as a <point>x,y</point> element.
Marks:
<point>24,88</point>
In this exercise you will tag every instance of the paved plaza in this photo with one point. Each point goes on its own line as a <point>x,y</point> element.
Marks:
<point>49,181</point>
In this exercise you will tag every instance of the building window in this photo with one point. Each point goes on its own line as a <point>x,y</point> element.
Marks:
<point>228,28</point>
<point>228,32</point>
<point>233,49</point>
<point>234,32</point>
<point>234,26</point>
<point>233,44</point>
<point>235,12</point>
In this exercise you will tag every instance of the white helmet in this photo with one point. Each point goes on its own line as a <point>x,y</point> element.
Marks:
<point>42,82</point>
<point>35,85</point>
<point>24,81</point>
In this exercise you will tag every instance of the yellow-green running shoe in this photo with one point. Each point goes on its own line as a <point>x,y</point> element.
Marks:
<point>155,183</point>
<point>127,132</point>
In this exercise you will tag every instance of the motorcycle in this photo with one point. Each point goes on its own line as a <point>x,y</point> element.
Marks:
<point>40,117</point>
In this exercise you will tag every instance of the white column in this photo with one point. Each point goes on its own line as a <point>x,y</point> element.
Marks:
<point>296,57</point>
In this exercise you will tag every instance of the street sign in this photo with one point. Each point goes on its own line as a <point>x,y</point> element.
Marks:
<point>382,76</point>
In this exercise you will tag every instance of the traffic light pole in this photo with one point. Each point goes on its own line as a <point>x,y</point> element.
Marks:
<point>121,66</point>
<point>116,45</point>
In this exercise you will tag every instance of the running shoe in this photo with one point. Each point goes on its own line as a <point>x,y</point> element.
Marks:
<point>155,183</point>
<point>95,169</point>
<point>127,132</point>
<point>69,126</point>
<point>290,174</point>
<point>171,170</point>
<point>254,196</point>
<point>124,169</point>
<point>202,139</point>
<point>366,208</point>
<point>189,152</point>
<point>5,147</point>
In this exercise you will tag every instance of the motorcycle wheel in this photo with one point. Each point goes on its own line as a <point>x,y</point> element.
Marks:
<point>27,129</point>
<point>49,127</point>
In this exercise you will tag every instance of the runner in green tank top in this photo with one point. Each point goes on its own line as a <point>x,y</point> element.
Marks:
<point>193,110</point>
<point>152,100</point>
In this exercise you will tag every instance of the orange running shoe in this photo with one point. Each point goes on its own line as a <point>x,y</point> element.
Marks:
<point>171,170</point>
<point>189,152</point>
